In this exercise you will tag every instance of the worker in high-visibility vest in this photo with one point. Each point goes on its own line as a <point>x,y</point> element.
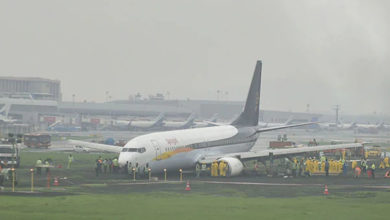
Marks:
<point>340,166</point>
<point>316,164</point>
<point>214,168</point>
<point>70,160</point>
<point>382,165</point>
<point>307,167</point>
<point>354,164</point>
<point>220,168</point>
<point>373,170</point>
<point>386,161</point>
<point>357,172</point>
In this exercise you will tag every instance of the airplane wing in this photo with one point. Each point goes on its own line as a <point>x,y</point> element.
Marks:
<point>102,147</point>
<point>214,123</point>
<point>264,129</point>
<point>275,153</point>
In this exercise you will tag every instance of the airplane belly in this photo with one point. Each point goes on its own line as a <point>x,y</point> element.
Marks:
<point>185,161</point>
<point>188,160</point>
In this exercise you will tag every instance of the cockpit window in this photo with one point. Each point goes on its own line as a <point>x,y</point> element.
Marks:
<point>139,150</point>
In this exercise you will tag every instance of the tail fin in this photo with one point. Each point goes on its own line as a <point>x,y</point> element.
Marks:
<point>191,118</point>
<point>159,120</point>
<point>190,121</point>
<point>214,118</point>
<point>5,110</point>
<point>289,120</point>
<point>250,115</point>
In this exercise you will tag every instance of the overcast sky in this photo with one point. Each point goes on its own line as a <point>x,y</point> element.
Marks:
<point>320,53</point>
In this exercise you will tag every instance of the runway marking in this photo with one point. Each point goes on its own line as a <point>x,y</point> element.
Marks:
<point>249,183</point>
<point>291,184</point>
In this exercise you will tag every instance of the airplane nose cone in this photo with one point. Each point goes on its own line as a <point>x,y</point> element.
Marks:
<point>123,159</point>
<point>126,157</point>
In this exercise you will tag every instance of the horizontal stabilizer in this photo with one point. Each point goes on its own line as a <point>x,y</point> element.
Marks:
<point>259,130</point>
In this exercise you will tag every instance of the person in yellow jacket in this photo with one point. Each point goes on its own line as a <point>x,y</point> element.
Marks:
<point>338,166</point>
<point>307,165</point>
<point>315,166</point>
<point>373,170</point>
<point>382,165</point>
<point>354,164</point>
<point>386,161</point>
<point>333,166</point>
<point>221,168</point>
<point>214,168</point>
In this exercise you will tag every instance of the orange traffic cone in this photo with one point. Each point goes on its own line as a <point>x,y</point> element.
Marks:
<point>188,187</point>
<point>56,182</point>
<point>326,192</point>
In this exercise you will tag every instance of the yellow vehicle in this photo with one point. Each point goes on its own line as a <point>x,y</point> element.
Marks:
<point>374,151</point>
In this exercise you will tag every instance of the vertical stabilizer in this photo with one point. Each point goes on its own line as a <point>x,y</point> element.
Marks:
<point>5,110</point>
<point>159,120</point>
<point>250,115</point>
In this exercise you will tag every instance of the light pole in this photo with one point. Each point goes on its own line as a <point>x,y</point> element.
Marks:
<point>13,179</point>
<point>32,179</point>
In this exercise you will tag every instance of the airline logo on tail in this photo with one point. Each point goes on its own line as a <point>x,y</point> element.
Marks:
<point>257,101</point>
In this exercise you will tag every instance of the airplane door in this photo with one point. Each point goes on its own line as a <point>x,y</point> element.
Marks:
<point>156,148</point>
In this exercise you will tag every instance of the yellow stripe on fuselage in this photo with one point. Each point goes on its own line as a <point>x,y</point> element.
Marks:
<point>169,154</point>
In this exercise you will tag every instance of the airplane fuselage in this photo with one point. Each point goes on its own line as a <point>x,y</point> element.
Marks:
<point>183,148</point>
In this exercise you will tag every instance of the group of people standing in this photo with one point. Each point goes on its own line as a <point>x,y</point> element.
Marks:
<point>363,168</point>
<point>309,166</point>
<point>219,168</point>
<point>106,165</point>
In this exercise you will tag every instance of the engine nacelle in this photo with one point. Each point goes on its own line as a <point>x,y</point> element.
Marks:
<point>235,166</point>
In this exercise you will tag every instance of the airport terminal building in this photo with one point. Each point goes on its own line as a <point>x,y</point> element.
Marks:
<point>37,101</point>
<point>37,88</point>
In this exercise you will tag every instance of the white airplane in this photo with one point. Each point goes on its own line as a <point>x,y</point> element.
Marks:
<point>208,123</point>
<point>146,125</point>
<point>273,124</point>
<point>370,128</point>
<point>339,126</point>
<point>170,125</point>
<point>183,149</point>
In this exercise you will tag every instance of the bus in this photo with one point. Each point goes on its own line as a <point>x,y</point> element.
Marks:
<point>37,140</point>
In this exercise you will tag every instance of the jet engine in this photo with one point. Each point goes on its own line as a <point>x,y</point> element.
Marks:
<point>235,166</point>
